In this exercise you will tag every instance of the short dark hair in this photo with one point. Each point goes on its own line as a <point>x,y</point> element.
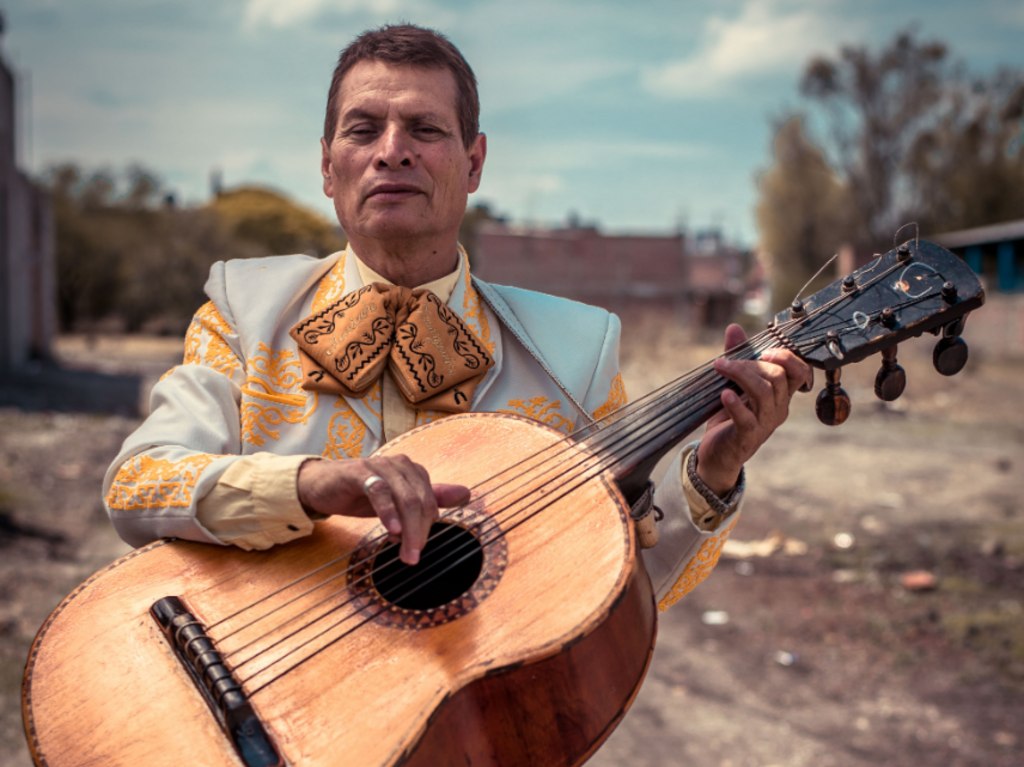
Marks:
<point>409,45</point>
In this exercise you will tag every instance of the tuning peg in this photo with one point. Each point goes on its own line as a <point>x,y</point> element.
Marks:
<point>950,355</point>
<point>833,403</point>
<point>891,379</point>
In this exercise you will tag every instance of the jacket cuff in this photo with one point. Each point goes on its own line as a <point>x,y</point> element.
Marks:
<point>707,508</point>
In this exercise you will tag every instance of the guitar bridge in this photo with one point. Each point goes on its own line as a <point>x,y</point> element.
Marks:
<point>198,653</point>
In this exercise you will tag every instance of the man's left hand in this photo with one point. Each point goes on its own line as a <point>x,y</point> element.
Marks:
<point>744,424</point>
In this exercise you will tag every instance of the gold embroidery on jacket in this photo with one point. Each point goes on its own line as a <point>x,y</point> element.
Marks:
<point>206,341</point>
<point>271,395</point>
<point>155,483</point>
<point>346,431</point>
<point>541,409</point>
<point>331,287</point>
<point>697,569</point>
<point>616,398</point>
<point>345,435</point>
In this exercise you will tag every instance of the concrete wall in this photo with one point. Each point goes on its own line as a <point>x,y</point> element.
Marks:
<point>27,261</point>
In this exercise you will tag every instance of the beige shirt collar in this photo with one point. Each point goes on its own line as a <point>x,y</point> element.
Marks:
<point>441,287</point>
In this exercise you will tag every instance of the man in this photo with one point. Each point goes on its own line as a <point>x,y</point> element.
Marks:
<point>258,434</point>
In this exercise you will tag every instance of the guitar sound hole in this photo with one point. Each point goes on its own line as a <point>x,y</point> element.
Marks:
<point>449,566</point>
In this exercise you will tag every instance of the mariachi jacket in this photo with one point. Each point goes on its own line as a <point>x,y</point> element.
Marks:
<point>238,392</point>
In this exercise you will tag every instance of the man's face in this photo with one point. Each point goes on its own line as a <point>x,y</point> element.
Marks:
<point>396,166</point>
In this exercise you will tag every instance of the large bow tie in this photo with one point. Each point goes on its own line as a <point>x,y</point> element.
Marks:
<point>435,360</point>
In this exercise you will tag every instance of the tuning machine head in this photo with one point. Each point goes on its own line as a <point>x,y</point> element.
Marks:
<point>891,380</point>
<point>833,404</point>
<point>950,354</point>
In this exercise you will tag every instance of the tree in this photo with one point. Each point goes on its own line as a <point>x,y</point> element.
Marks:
<point>876,106</point>
<point>272,222</point>
<point>910,138</point>
<point>801,211</point>
<point>86,260</point>
<point>968,168</point>
<point>165,258</point>
<point>126,252</point>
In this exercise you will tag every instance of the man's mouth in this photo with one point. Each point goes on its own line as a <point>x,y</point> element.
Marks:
<point>392,192</point>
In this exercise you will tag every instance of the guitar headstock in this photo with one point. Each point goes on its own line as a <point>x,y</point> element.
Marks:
<point>915,288</point>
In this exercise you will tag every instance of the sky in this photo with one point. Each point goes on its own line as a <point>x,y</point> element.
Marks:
<point>642,116</point>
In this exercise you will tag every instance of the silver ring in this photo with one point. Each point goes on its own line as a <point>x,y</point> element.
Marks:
<point>370,481</point>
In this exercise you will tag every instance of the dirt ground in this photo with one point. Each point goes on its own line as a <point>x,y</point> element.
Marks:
<point>809,645</point>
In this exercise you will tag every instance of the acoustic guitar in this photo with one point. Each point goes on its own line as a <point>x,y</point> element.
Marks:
<point>521,637</point>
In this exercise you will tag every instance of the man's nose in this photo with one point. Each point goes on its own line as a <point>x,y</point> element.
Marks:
<point>395,149</point>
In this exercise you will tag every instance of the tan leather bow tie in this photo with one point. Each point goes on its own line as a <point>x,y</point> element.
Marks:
<point>435,360</point>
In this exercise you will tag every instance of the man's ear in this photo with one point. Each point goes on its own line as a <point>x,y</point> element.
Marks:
<point>477,154</point>
<point>325,167</point>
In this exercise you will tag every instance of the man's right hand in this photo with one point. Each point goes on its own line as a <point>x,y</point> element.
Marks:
<point>393,488</point>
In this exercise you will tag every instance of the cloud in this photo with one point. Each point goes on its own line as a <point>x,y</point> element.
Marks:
<point>278,14</point>
<point>564,154</point>
<point>766,38</point>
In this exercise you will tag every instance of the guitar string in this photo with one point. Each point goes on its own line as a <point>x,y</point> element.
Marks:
<point>601,469</point>
<point>576,436</point>
<point>540,470</point>
<point>595,463</point>
<point>644,403</point>
<point>566,491</point>
<point>439,562</point>
<point>637,408</point>
<point>367,618</point>
<point>419,575</point>
<point>595,470</point>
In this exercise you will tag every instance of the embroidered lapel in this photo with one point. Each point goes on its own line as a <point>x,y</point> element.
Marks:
<point>467,303</point>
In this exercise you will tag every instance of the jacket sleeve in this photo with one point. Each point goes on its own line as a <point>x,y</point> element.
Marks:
<point>689,547</point>
<point>190,438</point>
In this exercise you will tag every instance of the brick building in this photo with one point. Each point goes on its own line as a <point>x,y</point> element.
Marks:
<point>700,278</point>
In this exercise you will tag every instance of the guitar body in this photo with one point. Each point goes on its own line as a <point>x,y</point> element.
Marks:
<point>533,665</point>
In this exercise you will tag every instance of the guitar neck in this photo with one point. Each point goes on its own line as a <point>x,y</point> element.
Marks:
<point>631,441</point>
<point>914,288</point>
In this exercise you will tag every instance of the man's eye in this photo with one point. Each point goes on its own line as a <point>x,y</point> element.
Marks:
<point>360,131</point>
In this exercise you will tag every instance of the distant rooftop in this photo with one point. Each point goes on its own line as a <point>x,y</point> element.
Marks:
<point>979,235</point>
